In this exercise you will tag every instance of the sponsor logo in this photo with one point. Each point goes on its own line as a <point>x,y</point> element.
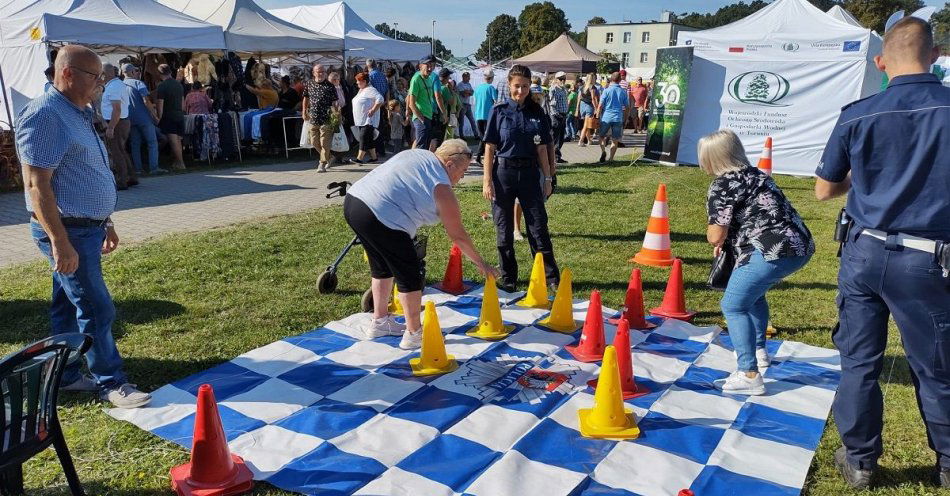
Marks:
<point>736,49</point>
<point>851,46</point>
<point>759,88</point>
<point>510,378</point>
<point>790,47</point>
<point>755,48</point>
<point>826,45</point>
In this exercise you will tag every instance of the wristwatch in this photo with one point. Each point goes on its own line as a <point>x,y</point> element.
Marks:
<point>548,179</point>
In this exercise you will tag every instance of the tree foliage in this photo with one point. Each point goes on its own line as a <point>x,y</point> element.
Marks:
<point>581,36</point>
<point>440,50</point>
<point>504,34</point>
<point>941,23</point>
<point>539,24</point>
<point>873,14</point>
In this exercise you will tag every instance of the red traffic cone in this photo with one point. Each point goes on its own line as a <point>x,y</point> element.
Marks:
<point>452,281</point>
<point>765,160</point>
<point>633,304</point>
<point>628,385</point>
<point>685,492</point>
<point>674,300</point>
<point>592,344</point>
<point>213,469</point>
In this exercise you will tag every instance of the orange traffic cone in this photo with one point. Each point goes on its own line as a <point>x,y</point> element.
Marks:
<point>213,469</point>
<point>656,250</point>
<point>674,300</point>
<point>628,385</point>
<point>452,281</point>
<point>633,304</point>
<point>592,343</point>
<point>765,160</point>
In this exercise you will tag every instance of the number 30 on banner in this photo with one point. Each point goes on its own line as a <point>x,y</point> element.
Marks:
<point>668,94</point>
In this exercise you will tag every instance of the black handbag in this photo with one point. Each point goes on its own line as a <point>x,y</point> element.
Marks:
<point>722,267</point>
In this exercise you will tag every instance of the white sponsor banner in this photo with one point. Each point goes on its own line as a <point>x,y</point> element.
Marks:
<point>795,102</point>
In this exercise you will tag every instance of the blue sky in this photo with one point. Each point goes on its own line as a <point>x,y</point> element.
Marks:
<point>460,24</point>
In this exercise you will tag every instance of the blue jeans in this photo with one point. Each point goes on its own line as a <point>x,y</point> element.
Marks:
<point>423,132</point>
<point>744,305</point>
<point>145,131</point>
<point>81,303</point>
<point>569,128</point>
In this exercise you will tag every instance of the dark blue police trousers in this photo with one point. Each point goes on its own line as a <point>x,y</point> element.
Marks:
<point>878,279</point>
<point>523,183</point>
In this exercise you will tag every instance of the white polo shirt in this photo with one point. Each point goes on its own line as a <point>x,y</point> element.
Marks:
<point>114,90</point>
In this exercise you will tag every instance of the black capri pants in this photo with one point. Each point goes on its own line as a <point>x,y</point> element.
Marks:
<point>366,137</point>
<point>391,252</point>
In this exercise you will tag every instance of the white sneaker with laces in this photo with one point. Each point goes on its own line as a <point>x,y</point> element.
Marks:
<point>411,340</point>
<point>762,359</point>
<point>125,396</point>
<point>739,383</point>
<point>385,326</point>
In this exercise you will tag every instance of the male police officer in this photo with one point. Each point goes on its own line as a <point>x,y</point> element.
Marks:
<point>892,151</point>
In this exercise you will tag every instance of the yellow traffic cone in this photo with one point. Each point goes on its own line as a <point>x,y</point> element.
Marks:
<point>433,360</point>
<point>490,326</point>
<point>561,318</point>
<point>608,418</point>
<point>537,296</point>
<point>395,307</point>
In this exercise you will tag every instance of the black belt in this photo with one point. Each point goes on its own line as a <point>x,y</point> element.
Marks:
<point>517,163</point>
<point>79,221</point>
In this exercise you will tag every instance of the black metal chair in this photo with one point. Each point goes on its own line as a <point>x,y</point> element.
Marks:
<point>29,423</point>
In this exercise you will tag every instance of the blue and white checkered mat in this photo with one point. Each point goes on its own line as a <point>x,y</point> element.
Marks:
<point>327,412</point>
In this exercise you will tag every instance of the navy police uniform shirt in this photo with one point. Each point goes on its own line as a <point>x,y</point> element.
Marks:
<point>897,146</point>
<point>517,130</point>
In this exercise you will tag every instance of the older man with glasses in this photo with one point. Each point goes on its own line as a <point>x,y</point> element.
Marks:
<point>71,195</point>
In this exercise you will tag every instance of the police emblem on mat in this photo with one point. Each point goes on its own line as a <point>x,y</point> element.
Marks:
<point>537,139</point>
<point>512,379</point>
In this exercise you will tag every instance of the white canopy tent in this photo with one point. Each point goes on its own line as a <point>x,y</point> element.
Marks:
<point>784,71</point>
<point>248,28</point>
<point>844,16</point>
<point>361,41</point>
<point>121,26</point>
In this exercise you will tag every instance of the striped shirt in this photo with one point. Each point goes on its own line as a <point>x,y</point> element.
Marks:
<point>53,133</point>
<point>558,99</point>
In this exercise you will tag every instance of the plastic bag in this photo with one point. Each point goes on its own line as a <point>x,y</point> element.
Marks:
<point>339,143</point>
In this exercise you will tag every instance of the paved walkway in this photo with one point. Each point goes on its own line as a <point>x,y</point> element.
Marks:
<point>205,200</point>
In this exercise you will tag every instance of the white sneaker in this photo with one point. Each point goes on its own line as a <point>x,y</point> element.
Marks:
<point>386,326</point>
<point>762,359</point>
<point>322,167</point>
<point>739,383</point>
<point>125,396</point>
<point>411,340</point>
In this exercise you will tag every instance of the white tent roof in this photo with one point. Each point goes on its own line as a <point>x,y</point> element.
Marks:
<point>362,41</point>
<point>251,29</point>
<point>124,25</point>
<point>844,16</point>
<point>784,30</point>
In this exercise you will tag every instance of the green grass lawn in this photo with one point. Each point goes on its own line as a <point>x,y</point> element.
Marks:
<point>188,302</point>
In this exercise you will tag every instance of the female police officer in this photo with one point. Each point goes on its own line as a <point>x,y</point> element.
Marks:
<point>518,135</point>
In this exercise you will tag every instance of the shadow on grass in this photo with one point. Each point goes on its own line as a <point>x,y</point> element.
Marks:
<point>907,476</point>
<point>636,236</point>
<point>28,320</point>
<point>581,190</point>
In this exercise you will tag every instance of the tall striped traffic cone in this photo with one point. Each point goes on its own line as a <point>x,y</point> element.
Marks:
<point>656,242</point>
<point>765,160</point>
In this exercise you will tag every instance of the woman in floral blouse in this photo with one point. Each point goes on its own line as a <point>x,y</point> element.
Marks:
<point>750,215</point>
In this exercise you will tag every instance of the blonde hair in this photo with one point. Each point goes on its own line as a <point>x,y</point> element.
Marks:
<point>392,104</point>
<point>452,147</point>
<point>721,152</point>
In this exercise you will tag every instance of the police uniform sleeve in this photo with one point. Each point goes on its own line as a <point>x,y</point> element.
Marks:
<point>544,128</point>
<point>492,131</point>
<point>835,161</point>
<point>40,138</point>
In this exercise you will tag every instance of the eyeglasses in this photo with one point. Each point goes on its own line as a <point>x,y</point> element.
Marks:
<point>468,154</point>
<point>93,74</point>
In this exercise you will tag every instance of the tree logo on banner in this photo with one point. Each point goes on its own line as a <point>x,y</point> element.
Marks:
<point>759,88</point>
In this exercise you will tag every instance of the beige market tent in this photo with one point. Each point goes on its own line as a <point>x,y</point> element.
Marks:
<point>562,54</point>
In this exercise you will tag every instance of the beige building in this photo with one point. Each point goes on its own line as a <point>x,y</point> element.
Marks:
<point>634,43</point>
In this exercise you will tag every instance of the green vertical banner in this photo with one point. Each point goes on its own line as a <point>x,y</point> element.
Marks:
<point>670,89</point>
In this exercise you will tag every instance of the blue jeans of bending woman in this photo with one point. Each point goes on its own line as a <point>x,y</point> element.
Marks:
<point>744,305</point>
